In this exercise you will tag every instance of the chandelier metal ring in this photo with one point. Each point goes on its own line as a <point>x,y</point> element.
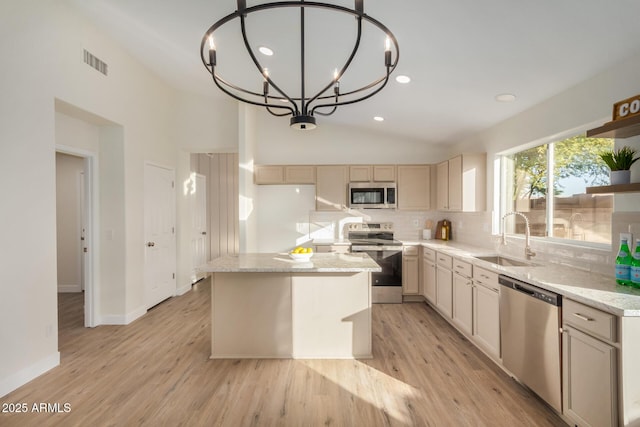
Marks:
<point>301,107</point>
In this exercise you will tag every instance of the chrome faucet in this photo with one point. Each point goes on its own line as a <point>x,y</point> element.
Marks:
<point>528,253</point>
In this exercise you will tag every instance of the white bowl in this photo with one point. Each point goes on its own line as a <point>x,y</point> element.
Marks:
<point>300,257</point>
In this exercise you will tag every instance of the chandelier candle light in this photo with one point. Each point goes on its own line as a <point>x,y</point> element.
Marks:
<point>300,106</point>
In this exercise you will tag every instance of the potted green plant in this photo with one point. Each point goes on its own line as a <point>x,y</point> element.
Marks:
<point>620,161</point>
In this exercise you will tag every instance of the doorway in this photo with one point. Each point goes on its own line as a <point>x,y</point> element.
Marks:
<point>199,241</point>
<point>74,201</point>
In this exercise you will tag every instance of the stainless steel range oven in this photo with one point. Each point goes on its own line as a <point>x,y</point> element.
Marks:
<point>376,239</point>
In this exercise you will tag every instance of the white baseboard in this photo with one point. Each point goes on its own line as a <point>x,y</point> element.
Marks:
<point>69,288</point>
<point>23,376</point>
<point>183,289</point>
<point>123,319</point>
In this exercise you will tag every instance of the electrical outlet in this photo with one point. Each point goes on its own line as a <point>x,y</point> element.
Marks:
<point>629,237</point>
<point>416,223</point>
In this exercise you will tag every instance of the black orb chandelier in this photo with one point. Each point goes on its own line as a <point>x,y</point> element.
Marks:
<point>301,106</point>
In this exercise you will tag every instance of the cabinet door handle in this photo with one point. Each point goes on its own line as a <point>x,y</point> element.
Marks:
<point>583,317</point>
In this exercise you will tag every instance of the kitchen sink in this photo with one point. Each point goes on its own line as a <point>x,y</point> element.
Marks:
<point>507,262</point>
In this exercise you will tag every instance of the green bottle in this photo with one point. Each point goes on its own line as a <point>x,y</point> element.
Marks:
<point>623,264</point>
<point>635,266</point>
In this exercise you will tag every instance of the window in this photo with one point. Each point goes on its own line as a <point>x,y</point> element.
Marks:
<point>548,184</point>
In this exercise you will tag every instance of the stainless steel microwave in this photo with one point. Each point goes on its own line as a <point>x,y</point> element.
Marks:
<point>372,195</point>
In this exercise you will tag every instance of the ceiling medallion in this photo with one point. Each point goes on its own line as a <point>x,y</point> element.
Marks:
<point>301,106</point>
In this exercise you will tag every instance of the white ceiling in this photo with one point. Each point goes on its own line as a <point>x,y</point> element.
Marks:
<point>459,53</point>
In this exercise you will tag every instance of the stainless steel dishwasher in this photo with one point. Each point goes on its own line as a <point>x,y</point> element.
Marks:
<point>530,321</point>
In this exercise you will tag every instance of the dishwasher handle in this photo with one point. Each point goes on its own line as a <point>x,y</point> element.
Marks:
<point>524,290</point>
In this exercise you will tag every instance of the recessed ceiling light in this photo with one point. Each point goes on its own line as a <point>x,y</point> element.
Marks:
<point>378,119</point>
<point>403,79</point>
<point>505,97</point>
<point>265,51</point>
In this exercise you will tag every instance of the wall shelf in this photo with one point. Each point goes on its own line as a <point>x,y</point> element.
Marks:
<point>624,128</point>
<point>634,187</point>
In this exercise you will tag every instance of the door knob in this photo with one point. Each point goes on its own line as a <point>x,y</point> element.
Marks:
<point>203,233</point>
<point>151,244</point>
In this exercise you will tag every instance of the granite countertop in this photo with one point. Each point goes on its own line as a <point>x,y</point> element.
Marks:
<point>590,288</point>
<point>282,263</point>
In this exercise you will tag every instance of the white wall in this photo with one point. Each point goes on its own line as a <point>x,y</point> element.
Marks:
<point>581,107</point>
<point>584,106</point>
<point>45,42</point>
<point>277,143</point>
<point>248,209</point>
<point>204,125</point>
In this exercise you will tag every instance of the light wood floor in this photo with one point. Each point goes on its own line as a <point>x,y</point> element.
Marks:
<point>156,371</point>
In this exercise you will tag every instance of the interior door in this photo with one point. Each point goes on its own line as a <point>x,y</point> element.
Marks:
<point>159,226</point>
<point>199,225</point>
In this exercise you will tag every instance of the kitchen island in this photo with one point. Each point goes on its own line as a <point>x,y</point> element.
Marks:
<point>266,305</point>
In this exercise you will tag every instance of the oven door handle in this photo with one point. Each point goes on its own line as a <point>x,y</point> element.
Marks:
<point>376,249</point>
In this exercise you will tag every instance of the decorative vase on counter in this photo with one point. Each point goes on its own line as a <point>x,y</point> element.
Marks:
<point>620,177</point>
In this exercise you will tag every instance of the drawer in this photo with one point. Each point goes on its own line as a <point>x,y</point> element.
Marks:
<point>486,277</point>
<point>589,320</point>
<point>429,254</point>
<point>410,250</point>
<point>462,268</point>
<point>443,260</point>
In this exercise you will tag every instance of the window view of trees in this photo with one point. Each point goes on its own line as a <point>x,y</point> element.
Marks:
<point>548,183</point>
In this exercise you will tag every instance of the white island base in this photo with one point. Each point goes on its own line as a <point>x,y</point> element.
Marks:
<point>283,315</point>
<point>309,312</point>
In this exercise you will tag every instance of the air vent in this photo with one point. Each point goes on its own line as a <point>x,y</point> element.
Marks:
<point>94,62</point>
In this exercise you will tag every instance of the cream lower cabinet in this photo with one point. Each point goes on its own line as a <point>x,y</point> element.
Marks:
<point>589,365</point>
<point>444,284</point>
<point>486,311</point>
<point>462,314</point>
<point>410,271</point>
<point>429,274</point>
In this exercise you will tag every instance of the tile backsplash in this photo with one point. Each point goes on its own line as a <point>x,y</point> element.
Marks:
<point>475,229</point>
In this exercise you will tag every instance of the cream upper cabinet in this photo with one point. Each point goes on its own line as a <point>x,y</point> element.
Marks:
<point>360,173</point>
<point>455,184</point>
<point>368,173</point>
<point>268,174</point>
<point>275,174</point>
<point>442,187</point>
<point>414,187</point>
<point>384,173</point>
<point>331,187</point>
<point>304,174</point>
<point>462,183</point>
